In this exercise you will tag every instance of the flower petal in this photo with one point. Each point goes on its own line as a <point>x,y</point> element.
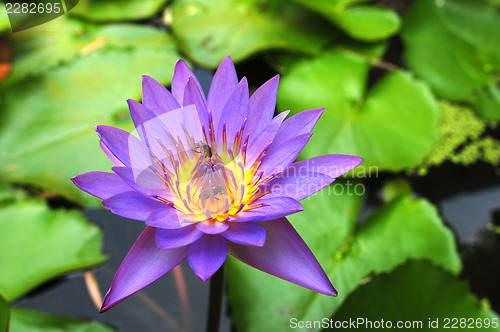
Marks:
<point>296,185</point>
<point>207,255</point>
<point>263,139</point>
<point>223,84</point>
<point>193,96</point>
<point>175,238</point>
<point>286,256</point>
<point>333,165</point>
<point>298,124</point>
<point>143,264</point>
<point>182,73</point>
<point>156,97</point>
<point>132,205</point>
<point>212,227</point>
<point>101,184</point>
<point>246,233</point>
<point>108,153</point>
<point>274,207</point>
<point>262,105</point>
<point>279,157</point>
<point>144,181</point>
<point>168,218</point>
<point>235,112</point>
<point>125,147</point>
<point>140,115</point>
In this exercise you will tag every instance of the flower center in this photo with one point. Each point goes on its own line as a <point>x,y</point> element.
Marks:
<point>210,180</point>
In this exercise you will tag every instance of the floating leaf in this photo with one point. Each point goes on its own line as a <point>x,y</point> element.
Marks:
<point>4,19</point>
<point>38,50</point>
<point>365,22</point>
<point>37,244</point>
<point>437,297</point>
<point>4,314</point>
<point>450,44</point>
<point>23,320</point>
<point>47,123</point>
<point>210,30</point>
<point>404,229</point>
<point>112,10</point>
<point>392,127</point>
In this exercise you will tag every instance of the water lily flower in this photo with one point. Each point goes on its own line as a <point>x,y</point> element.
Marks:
<point>212,176</point>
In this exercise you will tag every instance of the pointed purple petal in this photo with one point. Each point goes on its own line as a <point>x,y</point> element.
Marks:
<point>246,233</point>
<point>279,157</point>
<point>212,227</point>
<point>175,238</point>
<point>258,142</point>
<point>262,105</point>
<point>168,218</point>
<point>132,205</point>
<point>140,115</point>
<point>333,165</point>
<point>108,153</point>
<point>143,264</point>
<point>274,207</point>
<point>146,182</point>
<point>156,97</point>
<point>223,85</point>
<point>298,124</point>
<point>123,145</point>
<point>235,112</point>
<point>101,184</point>
<point>286,256</point>
<point>182,73</point>
<point>193,96</point>
<point>207,255</point>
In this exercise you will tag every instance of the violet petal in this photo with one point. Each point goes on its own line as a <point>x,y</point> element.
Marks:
<point>156,97</point>
<point>246,233</point>
<point>132,205</point>
<point>168,218</point>
<point>262,105</point>
<point>207,255</point>
<point>101,184</point>
<point>274,207</point>
<point>182,73</point>
<point>212,227</point>
<point>298,124</point>
<point>175,238</point>
<point>286,256</point>
<point>143,264</point>
<point>223,84</point>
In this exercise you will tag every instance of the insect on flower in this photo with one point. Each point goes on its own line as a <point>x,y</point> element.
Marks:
<point>212,176</point>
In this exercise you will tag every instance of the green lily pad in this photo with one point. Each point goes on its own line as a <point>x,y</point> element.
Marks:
<point>112,10</point>
<point>209,30</point>
<point>364,22</point>
<point>4,314</point>
<point>392,126</point>
<point>37,244</point>
<point>4,19</point>
<point>450,44</point>
<point>421,294</point>
<point>406,228</point>
<point>47,123</point>
<point>23,320</point>
<point>38,52</point>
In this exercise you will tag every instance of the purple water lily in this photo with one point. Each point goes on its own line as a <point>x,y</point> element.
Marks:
<point>212,176</point>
